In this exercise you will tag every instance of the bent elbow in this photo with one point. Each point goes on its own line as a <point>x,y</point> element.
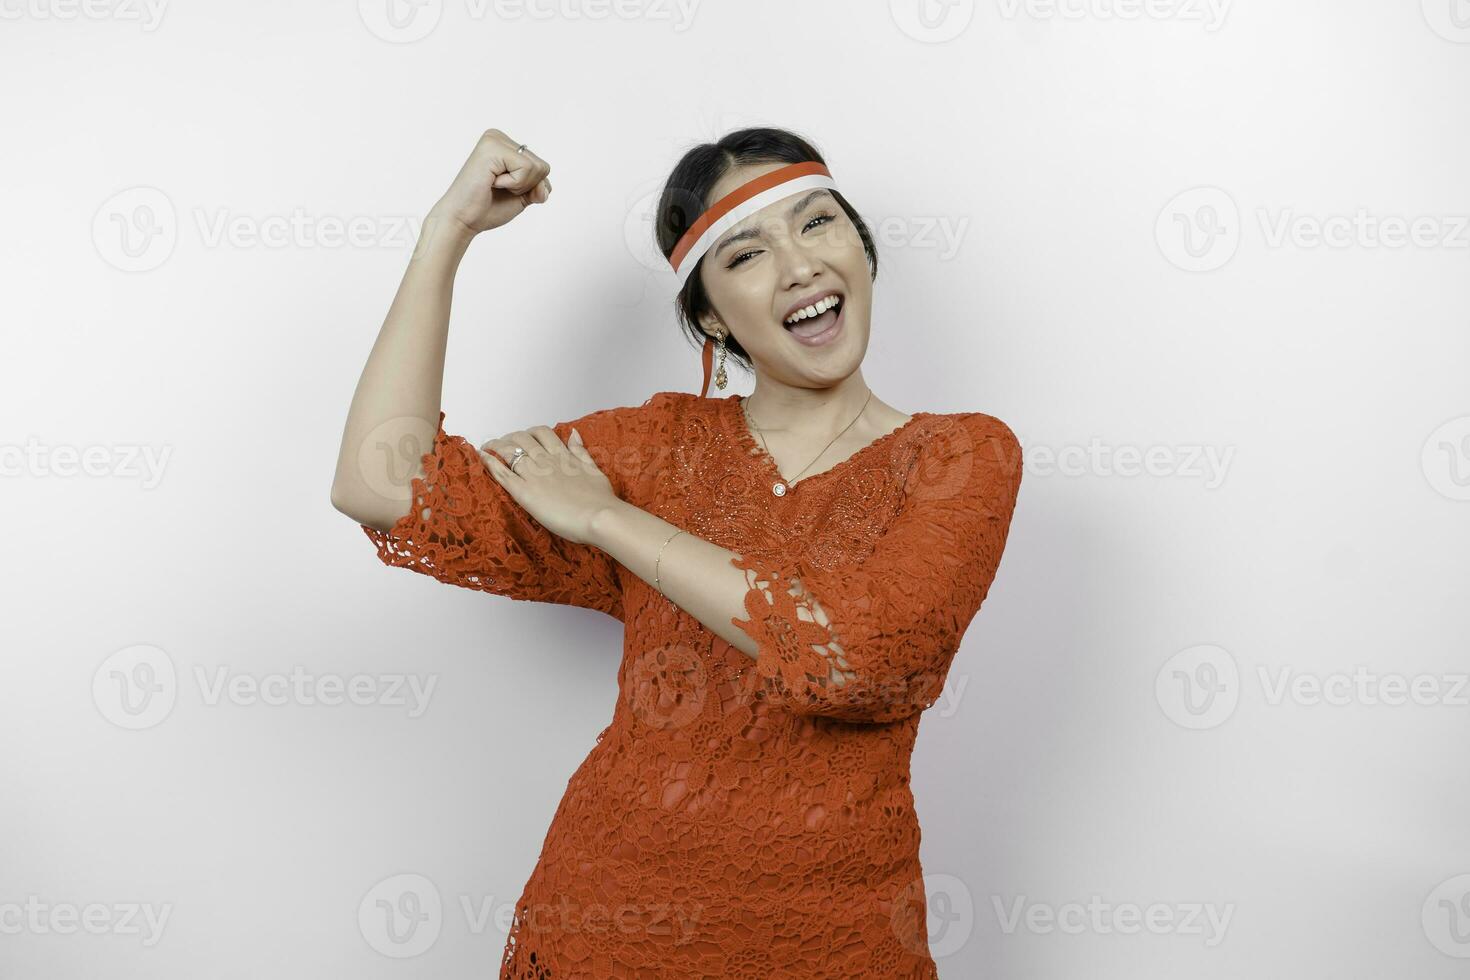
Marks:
<point>352,506</point>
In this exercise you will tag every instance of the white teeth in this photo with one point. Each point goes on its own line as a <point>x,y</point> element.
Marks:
<point>817,308</point>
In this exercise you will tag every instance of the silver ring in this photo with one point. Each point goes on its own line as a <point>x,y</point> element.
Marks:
<point>515,457</point>
<point>521,149</point>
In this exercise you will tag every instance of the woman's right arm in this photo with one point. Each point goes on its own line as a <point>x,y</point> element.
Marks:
<point>397,399</point>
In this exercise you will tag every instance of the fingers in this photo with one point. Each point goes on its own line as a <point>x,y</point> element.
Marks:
<point>545,437</point>
<point>511,179</point>
<point>502,451</point>
<point>499,472</point>
<point>524,172</point>
<point>492,462</point>
<point>503,447</point>
<point>510,478</point>
<point>540,442</point>
<point>579,448</point>
<point>526,439</point>
<point>536,195</point>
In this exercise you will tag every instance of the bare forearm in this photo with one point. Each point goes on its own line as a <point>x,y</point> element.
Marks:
<point>402,380</point>
<point>695,574</point>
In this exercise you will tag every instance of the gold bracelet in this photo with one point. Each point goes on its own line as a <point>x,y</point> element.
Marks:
<point>660,558</point>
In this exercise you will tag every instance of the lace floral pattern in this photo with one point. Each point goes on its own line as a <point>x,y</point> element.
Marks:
<point>743,818</point>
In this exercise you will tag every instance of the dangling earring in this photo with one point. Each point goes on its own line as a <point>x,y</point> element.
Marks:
<point>720,371</point>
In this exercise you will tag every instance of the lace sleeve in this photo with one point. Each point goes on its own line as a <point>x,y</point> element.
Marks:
<point>873,642</point>
<point>464,529</point>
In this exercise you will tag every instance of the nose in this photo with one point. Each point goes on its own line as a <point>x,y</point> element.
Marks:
<point>797,263</point>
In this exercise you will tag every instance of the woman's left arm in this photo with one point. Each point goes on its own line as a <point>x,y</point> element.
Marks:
<point>871,642</point>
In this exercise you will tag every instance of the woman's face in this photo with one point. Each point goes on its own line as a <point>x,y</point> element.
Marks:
<point>789,254</point>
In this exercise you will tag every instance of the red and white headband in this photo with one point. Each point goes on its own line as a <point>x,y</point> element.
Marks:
<point>740,204</point>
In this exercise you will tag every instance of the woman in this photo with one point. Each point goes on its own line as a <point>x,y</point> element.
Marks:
<point>795,570</point>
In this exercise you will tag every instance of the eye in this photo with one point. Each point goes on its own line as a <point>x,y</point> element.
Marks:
<point>824,217</point>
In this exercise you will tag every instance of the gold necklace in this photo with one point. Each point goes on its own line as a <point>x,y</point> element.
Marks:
<point>780,487</point>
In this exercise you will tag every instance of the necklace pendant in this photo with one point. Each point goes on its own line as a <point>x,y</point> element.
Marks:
<point>779,489</point>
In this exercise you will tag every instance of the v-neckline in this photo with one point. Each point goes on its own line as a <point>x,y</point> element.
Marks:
<point>761,458</point>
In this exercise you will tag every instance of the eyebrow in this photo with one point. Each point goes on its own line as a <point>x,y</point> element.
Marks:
<point>748,233</point>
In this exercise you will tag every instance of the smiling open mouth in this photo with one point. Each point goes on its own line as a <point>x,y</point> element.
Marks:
<point>815,318</point>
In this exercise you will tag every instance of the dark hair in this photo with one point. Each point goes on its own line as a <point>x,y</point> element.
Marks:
<point>686,195</point>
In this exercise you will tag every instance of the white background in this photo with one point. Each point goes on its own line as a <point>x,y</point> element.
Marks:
<point>1082,233</point>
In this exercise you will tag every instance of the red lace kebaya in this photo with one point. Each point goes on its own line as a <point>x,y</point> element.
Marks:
<point>739,818</point>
